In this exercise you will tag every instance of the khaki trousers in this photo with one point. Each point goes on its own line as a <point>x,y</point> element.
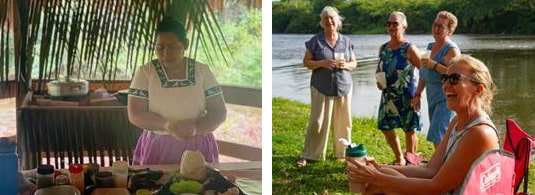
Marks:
<point>325,109</point>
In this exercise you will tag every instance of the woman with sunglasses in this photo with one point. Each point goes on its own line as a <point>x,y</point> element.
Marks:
<point>441,51</point>
<point>469,90</point>
<point>330,56</point>
<point>398,59</point>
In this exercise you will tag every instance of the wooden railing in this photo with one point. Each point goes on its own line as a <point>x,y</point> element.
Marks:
<point>70,134</point>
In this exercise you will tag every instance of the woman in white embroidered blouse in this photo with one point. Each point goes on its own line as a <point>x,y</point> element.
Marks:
<point>176,100</point>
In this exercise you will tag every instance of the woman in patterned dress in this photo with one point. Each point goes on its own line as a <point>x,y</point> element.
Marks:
<point>398,59</point>
<point>176,100</point>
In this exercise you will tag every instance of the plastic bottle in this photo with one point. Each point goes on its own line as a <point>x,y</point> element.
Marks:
<point>76,176</point>
<point>8,167</point>
<point>45,176</point>
<point>357,153</point>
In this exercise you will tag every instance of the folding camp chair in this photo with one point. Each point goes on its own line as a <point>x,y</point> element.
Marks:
<point>491,173</point>
<point>520,144</point>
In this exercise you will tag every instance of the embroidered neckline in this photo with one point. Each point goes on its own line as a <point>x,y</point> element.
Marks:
<point>172,83</point>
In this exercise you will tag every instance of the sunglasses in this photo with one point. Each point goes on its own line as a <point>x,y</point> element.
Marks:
<point>440,26</point>
<point>394,24</point>
<point>454,78</point>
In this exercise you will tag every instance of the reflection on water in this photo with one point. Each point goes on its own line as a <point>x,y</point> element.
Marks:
<point>510,59</point>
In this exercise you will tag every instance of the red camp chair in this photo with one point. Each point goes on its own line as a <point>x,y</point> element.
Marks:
<point>491,173</point>
<point>520,144</point>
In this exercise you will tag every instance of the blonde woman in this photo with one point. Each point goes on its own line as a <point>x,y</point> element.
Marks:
<point>468,87</point>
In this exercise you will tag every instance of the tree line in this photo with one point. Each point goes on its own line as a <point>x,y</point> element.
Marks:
<point>369,17</point>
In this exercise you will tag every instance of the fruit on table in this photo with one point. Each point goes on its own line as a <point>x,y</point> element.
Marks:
<point>143,192</point>
<point>186,187</point>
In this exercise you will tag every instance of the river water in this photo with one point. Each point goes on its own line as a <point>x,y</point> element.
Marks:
<point>511,60</point>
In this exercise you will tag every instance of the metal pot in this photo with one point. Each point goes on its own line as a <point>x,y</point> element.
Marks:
<point>68,87</point>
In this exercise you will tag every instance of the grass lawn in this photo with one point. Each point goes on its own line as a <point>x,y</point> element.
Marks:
<point>290,120</point>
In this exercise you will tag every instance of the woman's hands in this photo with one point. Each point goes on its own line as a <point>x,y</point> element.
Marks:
<point>328,63</point>
<point>428,63</point>
<point>359,172</point>
<point>182,129</point>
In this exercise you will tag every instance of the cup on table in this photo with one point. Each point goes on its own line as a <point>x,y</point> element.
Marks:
<point>358,154</point>
<point>120,174</point>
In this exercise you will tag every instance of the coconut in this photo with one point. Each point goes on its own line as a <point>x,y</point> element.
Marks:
<point>193,166</point>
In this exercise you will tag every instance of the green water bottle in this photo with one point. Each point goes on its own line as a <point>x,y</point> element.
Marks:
<point>358,153</point>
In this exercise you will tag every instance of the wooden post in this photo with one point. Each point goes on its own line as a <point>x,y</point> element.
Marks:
<point>20,32</point>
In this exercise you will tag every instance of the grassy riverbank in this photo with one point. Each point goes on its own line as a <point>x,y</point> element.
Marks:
<point>289,123</point>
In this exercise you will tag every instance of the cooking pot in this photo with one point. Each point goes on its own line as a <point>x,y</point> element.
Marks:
<point>68,87</point>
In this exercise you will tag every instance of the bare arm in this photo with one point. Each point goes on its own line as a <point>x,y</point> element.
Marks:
<point>478,140</point>
<point>216,114</point>
<point>140,116</point>
<point>414,56</point>
<point>314,64</point>
<point>441,68</point>
<point>434,163</point>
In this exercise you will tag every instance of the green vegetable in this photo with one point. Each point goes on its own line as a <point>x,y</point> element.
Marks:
<point>185,187</point>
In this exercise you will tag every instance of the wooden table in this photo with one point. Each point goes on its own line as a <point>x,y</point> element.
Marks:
<point>250,170</point>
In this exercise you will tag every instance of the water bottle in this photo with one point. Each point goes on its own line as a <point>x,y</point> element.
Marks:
<point>8,167</point>
<point>359,154</point>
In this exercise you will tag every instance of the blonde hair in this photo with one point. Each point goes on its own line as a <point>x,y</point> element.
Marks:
<point>402,16</point>
<point>452,20</point>
<point>479,74</point>
<point>331,11</point>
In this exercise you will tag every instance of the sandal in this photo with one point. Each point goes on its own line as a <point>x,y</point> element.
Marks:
<point>301,162</point>
<point>413,159</point>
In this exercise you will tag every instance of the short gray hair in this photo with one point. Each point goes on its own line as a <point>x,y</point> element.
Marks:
<point>402,16</point>
<point>332,11</point>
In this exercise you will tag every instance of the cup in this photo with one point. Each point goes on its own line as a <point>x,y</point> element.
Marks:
<point>358,154</point>
<point>425,54</point>
<point>380,77</point>
<point>120,174</point>
<point>339,57</point>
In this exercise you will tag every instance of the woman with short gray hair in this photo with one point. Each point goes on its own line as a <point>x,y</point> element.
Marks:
<point>330,56</point>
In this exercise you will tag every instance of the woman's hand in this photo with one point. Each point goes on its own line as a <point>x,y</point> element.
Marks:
<point>362,173</point>
<point>182,129</point>
<point>415,102</point>
<point>328,63</point>
<point>426,62</point>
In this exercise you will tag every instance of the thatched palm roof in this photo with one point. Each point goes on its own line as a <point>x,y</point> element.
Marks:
<point>91,38</point>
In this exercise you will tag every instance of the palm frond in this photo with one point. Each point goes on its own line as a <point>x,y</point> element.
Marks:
<point>101,39</point>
